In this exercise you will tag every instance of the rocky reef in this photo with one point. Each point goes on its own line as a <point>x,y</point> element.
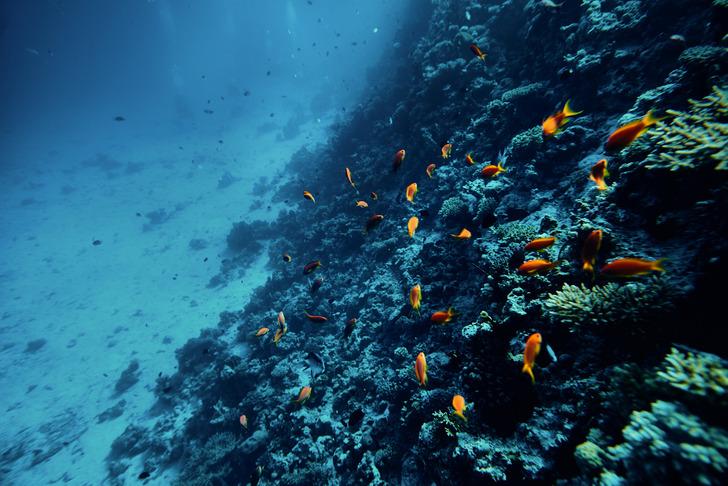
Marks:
<point>618,399</point>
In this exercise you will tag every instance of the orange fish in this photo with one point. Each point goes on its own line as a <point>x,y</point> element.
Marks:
<point>348,178</point>
<point>279,334</point>
<point>244,421</point>
<point>458,403</point>
<point>598,173</point>
<point>412,225</point>
<point>630,267</point>
<point>373,222</point>
<point>463,235</point>
<point>443,317</point>
<point>287,258</point>
<point>311,266</point>
<point>492,170</point>
<point>303,395</point>
<point>626,134</point>
<point>281,319</point>
<point>552,125</point>
<point>540,244</point>
<point>429,170</point>
<point>411,191</point>
<point>469,160</point>
<point>476,50</point>
<point>398,158</point>
<point>262,332</point>
<point>415,297</point>
<point>532,267</point>
<point>421,369</point>
<point>373,195</point>
<point>445,150</point>
<point>362,204</point>
<point>590,249</point>
<point>533,347</point>
<point>309,196</point>
<point>315,318</point>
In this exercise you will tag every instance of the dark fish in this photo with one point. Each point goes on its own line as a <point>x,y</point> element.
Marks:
<point>119,118</point>
<point>356,417</point>
<point>256,475</point>
<point>97,242</point>
<point>209,112</point>
<point>373,222</point>
<point>267,73</point>
<point>349,328</point>
<point>246,93</point>
<point>311,266</point>
<point>317,284</point>
<point>315,363</point>
<point>143,475</point>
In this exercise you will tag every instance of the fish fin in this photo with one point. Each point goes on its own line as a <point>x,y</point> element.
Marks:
<point>501,168</point>
<point>527,369</point>
<point>460,414</point>
<point>650,119</point>
<point>657,265</point>
<point>568,111</point>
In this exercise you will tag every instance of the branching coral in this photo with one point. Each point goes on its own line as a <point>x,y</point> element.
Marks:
<point>612,303</point>
<point>694,139</point>
<point>515,232</point>
<point>701,374</point>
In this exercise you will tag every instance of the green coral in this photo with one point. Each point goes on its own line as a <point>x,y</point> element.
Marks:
<point>696,373</point>
<point>623,16</point>
<point>692,139</point>
<point>446,424</point>
<point>630,303</point>
<point>522,91</point>
<point>669,442</point>
<point>453,208</point>
<point>526,143</point>
<point>515,232</point>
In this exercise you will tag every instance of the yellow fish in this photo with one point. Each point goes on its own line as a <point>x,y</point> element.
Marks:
<point>412,225</point>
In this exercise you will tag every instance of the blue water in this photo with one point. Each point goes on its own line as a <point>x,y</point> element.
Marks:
<point>213,99</point>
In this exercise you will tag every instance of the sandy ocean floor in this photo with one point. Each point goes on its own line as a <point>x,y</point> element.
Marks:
<point>74,314</point>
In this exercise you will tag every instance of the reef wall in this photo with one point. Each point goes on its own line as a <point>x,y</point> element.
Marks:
<point>607,404</point>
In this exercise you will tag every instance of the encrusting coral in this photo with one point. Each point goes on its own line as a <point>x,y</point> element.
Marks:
<point>693,139</point>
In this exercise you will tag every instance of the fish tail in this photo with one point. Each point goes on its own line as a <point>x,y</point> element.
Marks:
<point>527,369</point>
<point>651,119</point>
<point>568,111</point>
<point>657,265</point>
<point>501,168</point>
<point>460,414</point>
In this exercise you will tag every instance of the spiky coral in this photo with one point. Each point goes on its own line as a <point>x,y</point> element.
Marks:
<point>692,139</point>
<point>611,303</point>
<point>701,374</point>
<point>515,232</point>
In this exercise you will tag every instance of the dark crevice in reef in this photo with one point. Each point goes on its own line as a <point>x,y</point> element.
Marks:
<point>624,363</point>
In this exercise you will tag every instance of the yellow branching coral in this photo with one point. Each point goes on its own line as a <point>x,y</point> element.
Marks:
<point>698,373</point>
<point>690,140</point>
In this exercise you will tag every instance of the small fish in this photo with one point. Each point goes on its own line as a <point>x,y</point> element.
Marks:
<point>415,298</point>
<point>446,150</point>
<point>287,258</point>
<point>552,125</point>
<point>244,421</point>
<point>551,353</point>
<point>421,369</point>
<point>96,242</point>
<point>443,317</point>
<point>631,267</point>
<point>411,191</point>
<point>278,335</point>
<point>463,235</point>
<point>316,364</point>
<point>492,170</point>
<point>398,159</point>
<point>303,395</point>
<point>309,196</point>
<point>540,244</point>
<point>589,251</point>
<point>362,204</point>
<point>626,134</point>
<point>429,170</point>
<point>311,266</point>
<point>677,38</point>
<point>458,404</point>
<point>143,475</point>
<point>348,178</point>
<point>373,195</point>
<point>469,159</point>
<point>119,118</point>
<point>256,475</point>
<point>597,174</point>
<point>551,4</point>
<point>316,284</point>
<point>532,267</point>
<point>262,332</point>
<point>281,319</point>
<point>476,50</point>
<point>412,225</point>
<point>373,222</point>
<point>315,318</point>
<point>350,326</point>
<point>533,347</point>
